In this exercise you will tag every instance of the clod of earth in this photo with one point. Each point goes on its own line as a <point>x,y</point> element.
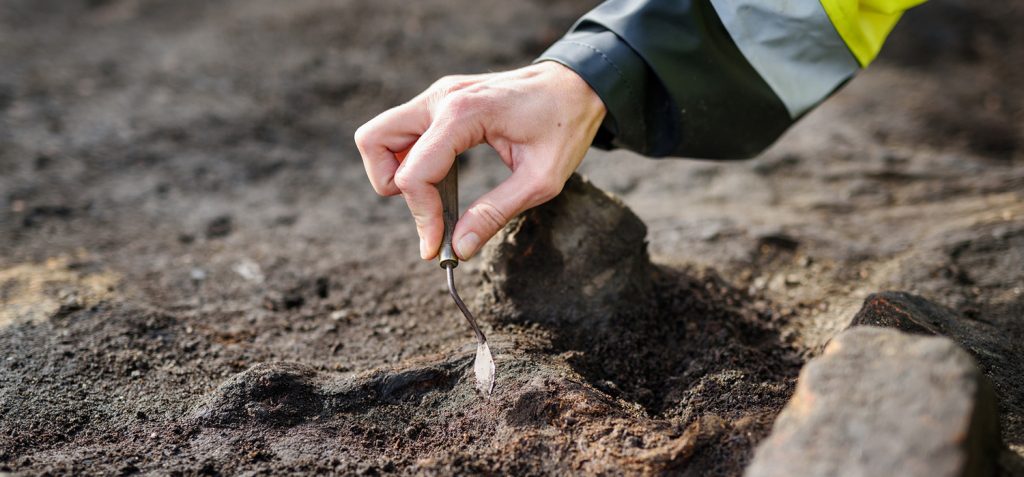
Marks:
<point>579,258</point>
<point>285,394</point>
<point>879,400</point>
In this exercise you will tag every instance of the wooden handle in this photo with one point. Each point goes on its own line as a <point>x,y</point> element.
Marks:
<point>449,189</point>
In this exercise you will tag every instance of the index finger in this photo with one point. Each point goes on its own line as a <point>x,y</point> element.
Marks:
<point>385,139</point>
<point>427,164</point>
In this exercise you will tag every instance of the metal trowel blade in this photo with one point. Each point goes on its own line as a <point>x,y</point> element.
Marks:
<point>484,368</point>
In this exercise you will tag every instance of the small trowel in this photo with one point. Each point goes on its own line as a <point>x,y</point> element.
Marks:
<point>483,366</point>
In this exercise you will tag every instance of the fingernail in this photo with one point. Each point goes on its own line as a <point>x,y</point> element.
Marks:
<point>466,246</point>
<point>423,249</point>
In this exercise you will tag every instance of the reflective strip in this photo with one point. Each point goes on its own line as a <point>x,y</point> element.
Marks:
<point>792,45</point>
<point>864,24</point>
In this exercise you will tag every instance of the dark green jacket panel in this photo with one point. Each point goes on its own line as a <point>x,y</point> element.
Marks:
<point>699,96</point>
<point>618,75</point>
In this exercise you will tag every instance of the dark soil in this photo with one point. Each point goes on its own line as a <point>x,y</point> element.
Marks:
<point>196,278</point>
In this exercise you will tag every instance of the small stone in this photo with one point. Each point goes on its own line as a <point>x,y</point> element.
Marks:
<point>249,270</point>
<point>775,239</point>
<point>293,300</point>
<point>339,315</point>
<point>219,227</point>
<point>882,402</point>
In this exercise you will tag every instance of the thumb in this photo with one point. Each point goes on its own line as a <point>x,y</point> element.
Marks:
<point>523,190</point>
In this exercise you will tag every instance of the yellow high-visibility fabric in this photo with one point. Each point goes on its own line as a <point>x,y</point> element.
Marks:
<point>864,24</point>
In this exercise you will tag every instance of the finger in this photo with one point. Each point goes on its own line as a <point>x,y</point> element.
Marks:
<point>523,190</point>
<point>426,165</point>
<point>384,140</point>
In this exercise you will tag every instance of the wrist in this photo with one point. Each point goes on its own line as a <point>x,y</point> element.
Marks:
<point>573,87</point>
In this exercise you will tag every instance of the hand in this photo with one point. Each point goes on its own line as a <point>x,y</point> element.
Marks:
<point>540,119</point>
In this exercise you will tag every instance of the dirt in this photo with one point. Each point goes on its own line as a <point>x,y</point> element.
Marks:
<point>196,277</point>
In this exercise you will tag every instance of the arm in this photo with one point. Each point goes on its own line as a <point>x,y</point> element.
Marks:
<point>540,119</point>
<point>718,78</point>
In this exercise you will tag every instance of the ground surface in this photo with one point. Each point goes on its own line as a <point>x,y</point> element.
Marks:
<point>182,210</point>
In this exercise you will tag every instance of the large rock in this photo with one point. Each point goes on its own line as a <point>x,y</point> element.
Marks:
<point>580,256</point>
<point>881,402</point>
<point>996,347</point>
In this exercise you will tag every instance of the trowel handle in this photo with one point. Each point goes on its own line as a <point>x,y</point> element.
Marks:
<point>449,189</point>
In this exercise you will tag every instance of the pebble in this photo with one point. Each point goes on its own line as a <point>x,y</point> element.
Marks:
<point>339,315</point>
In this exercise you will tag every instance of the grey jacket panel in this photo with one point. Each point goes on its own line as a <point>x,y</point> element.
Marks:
<point>700,98</point>
<point>792,45</point>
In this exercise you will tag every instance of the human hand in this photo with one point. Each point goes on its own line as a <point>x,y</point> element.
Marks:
<point>540,119</point>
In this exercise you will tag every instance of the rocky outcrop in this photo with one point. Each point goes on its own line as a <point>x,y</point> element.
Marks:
<point>882,402</point>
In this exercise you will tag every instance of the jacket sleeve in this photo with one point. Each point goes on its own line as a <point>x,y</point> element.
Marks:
<point>718,79</point>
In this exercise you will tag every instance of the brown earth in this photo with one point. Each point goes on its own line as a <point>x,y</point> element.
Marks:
<point>196,278</point>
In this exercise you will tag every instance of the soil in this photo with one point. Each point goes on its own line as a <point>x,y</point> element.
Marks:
<point>196,278</point>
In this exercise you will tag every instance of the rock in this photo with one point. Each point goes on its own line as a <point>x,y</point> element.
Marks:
<point>995,347</point>
<point>578,256</point>
<point>882,402</point>
<point>904,312</point>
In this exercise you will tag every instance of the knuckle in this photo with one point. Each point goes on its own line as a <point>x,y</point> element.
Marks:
<point>364,136</point>
<point>448,84</point>
<point>404,180</point>
<point>379,187</point>
<point>492,217</point>
<point>545,188</point>
<point>425,221</point>
<point>459,104</point>
<point>443,83</point>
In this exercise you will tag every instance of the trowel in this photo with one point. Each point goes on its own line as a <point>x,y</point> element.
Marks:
<point>483,366</point>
